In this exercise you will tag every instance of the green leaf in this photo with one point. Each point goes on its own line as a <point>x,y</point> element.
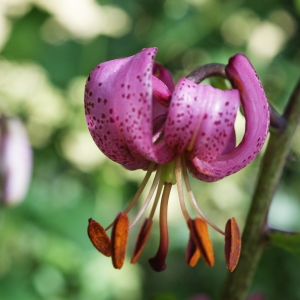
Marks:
<point>219,83</point>
<point>287,241</point>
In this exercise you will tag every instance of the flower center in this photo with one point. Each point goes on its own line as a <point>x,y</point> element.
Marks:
<point>199,241</point>
<point>166,176</point>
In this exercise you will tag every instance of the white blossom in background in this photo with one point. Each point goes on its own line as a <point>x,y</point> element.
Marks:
<point>80,19</point>
<point>84,19</point>
<point>15,161</point>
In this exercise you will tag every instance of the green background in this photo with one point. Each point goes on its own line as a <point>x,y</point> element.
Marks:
<point>47,49</point>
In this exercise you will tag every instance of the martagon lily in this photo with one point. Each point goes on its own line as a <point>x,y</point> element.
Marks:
<point>140,120</point>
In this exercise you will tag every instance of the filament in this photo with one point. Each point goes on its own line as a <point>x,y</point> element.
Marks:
<point>178,174</point>
<point>149,196</point>
<point>138,193</point>
<point>154,206</point>
<point>193,200</point>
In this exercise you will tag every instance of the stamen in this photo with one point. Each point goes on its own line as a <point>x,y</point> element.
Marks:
<point>149,197</point>
<point>178,174</point>
<point>138,193</point>
<point>141,240</point>
<point>192,253</point>
<point>233,244</point>
<point>146,227</point>
<point>193,200</point>
<point>119,236</point>
<point>158,261</point>
<point>157,196</point>
<point>199,232</point>
<point>99,238</point>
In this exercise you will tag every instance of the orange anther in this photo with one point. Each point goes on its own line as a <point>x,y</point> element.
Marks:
<point>200,235</point>
<point>99,238</point>
<point>119,238</point>
<point>233,244</point>
<point>192,253</point>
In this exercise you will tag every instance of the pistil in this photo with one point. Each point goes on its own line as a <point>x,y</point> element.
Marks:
<point>158,261</point>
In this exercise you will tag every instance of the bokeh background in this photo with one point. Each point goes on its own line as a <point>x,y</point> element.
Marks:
<point>47,49</point>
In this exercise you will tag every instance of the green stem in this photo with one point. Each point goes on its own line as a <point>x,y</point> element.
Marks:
<point>237,283</point>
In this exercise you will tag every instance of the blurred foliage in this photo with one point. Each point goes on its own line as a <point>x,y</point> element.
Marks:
<point>47,50</point>
<point>287,241</point>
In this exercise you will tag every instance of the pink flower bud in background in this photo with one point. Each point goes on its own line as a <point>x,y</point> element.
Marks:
<point>15,161</point>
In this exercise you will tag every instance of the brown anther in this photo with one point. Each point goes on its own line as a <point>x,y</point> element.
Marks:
<point>141,240</point>
<point>233,244</point>
<point>99,238</point>
<point>119,236</point>
<point>192,253</point>
<point>200,235</point>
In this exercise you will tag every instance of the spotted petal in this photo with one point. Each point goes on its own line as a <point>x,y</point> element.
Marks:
<point>255,106</point>
<point>201,120</point>
<point>120,107</point>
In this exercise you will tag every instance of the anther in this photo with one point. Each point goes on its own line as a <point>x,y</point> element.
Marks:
<point>199,233</point>
<point>119,238</point>
<point>233,244</point>
<point>99,238</point>
<point>192,253</point>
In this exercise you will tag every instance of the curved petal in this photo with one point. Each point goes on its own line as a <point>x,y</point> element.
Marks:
<point>135,109</point>
<point>100,115</point>
<point>254,102</point>
<point>120,111</point>
<point>217,124</point>
<point>201,119</point>
<point>164,75</point>
<point>231,143</point>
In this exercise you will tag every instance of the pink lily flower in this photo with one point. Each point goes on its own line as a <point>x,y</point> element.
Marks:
<point>139,119</point>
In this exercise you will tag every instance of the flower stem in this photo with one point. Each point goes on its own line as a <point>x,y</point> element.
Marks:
<point>206,71</point>
<point>253,242</point>
<point>277,121</point>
